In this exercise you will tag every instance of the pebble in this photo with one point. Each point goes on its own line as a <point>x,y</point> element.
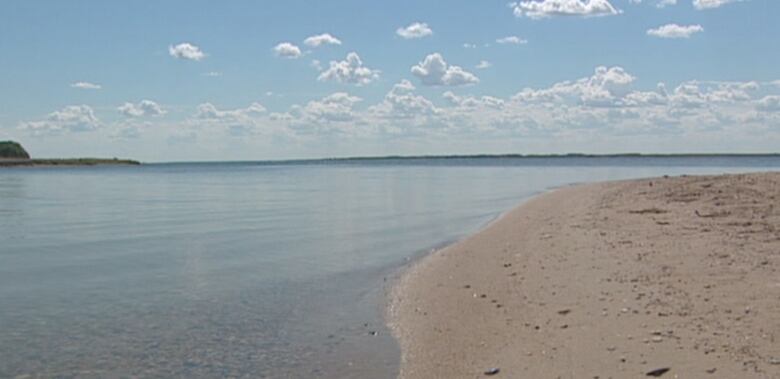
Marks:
<point>492,371</point>
<point>658,372</point>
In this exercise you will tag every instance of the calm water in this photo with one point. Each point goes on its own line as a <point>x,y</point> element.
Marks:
<point>244,269</point>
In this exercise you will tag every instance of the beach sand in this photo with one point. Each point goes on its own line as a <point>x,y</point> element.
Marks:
<point>609,280</point>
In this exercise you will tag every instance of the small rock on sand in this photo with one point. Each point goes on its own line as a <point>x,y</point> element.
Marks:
<point>492,371</point>
<point>658,372</point>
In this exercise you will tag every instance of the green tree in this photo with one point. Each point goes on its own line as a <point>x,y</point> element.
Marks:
<point>11,149</point>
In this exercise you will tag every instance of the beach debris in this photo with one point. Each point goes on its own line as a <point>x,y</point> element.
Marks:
<point>712,370</point>
<point>658,372</point>
<point>373,332</point>
<point>564,312</point>
<point>492,371</point>
<point>774,361</point>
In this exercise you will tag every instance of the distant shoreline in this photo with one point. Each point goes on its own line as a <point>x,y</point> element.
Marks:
<point>412,158</point>
<point>66,162</point>
<point>568,155</point>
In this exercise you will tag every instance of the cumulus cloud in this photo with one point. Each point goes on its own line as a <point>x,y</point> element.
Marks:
<point>512,40</point>
<point>321,39</point>
<point>208,111</point>
<point>414,30</point>
<point>350,70</point>
<point>473,102</point>
<point>287,50</point>
<point>85,85</point>
<point>73,118</point>
<point>435,71</point>
<point>537,9</point>
<point>603,104</point>
<point>336,107</point>
<point>483,65</point>
<point>675,31</point>
<point>141,109</point>
<point>769,104</point>
<point>710,4</point>
<point>186,51</point>
<point>604,88</point>
<point>402,103</point>
<point>658,4</point>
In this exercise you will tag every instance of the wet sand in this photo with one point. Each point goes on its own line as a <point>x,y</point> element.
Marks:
<point>609,280</point>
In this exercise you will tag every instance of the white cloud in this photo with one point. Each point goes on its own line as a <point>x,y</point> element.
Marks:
<point>316,64</point>
<point>141,109</point>
<point>537,9</point>
<point>212,74</point>
<point>321,39</point>
<point>73,118</point>
<point>287,50</point>
<point>473,102</point>
<point>186,51</point>
<point>415,30</point>
<point>208,111</point>
<point>602,106</point>
<point>402,103</point>
<point>769,104</point>
<point>483,65</point>
<point>85,85</point>
<point>675,31</point>
<point>658,4</point>
<point>710,4</point>
<point>336,107</point>
<point>434,71</point>
<point>513,40</point>
<point>332,113</point>
<point>469,45</point>
<point>604,88</point>
<point>350,70</point>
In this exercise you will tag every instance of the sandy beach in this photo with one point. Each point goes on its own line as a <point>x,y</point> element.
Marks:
<point>665,277</point>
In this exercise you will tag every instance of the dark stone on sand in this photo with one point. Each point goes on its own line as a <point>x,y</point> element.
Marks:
<point>658,372</point>
<point>492,371</point>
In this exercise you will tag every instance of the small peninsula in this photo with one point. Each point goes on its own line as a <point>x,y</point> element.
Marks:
<point>12,154</point>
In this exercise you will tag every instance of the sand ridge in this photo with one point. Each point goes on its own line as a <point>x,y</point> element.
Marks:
<point>610,280</point>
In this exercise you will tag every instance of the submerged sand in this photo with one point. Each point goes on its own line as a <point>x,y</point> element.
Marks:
<point>611,280</point>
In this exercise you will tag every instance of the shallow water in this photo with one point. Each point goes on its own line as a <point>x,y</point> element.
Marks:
<point>245,269</point>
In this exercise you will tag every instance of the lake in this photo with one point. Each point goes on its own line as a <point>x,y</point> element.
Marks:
<point>247,269</point>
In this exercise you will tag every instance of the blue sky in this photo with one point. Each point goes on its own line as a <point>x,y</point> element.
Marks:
<point>202,80</point>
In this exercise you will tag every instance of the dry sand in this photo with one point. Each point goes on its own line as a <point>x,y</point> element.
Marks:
<point>608,280</point>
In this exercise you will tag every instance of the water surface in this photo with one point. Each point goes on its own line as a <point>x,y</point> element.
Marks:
<point>245,269</point>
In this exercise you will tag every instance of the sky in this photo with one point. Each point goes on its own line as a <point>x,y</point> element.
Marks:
<point>254,80</point>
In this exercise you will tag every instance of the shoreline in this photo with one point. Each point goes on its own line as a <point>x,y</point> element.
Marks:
<point>589,281</point>
<point>66,162</point>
